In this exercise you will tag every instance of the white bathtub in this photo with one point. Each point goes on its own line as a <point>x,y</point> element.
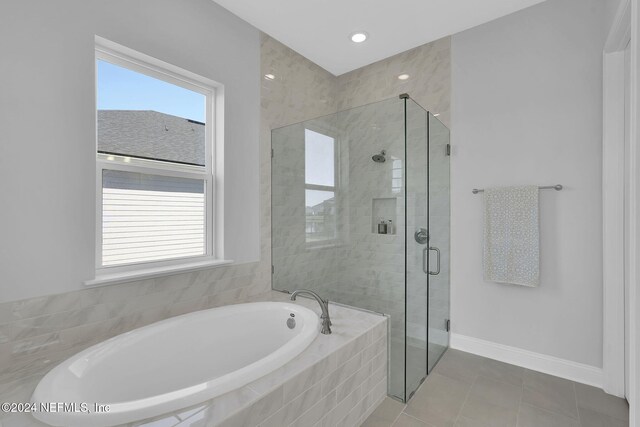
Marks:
<point>175,363</point>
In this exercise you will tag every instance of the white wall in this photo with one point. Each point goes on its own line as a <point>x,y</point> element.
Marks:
<point>47,142</point>
<point>527,97</point>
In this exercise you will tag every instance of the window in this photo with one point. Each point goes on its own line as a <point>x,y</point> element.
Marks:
<point>154,162</point>
<point>396,175</point>
<point>320,187</point>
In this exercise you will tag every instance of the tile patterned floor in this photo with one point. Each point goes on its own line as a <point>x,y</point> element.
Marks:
<point>415,365</point>
<point>465,390</point>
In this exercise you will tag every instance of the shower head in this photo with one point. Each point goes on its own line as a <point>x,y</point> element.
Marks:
<point>379,158</point>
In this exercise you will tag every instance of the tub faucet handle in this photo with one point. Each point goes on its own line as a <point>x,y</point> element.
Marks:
<point>324,305</point>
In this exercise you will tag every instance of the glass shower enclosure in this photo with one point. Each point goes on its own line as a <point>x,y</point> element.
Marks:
<point>360,214</point>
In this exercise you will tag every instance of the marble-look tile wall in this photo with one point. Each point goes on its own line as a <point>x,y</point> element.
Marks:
<point>363,268</point>
<point>429,82</point>
<point>296,263</point>
<point>371,266</point>
<point>351,269</point>
<point>299,91</point>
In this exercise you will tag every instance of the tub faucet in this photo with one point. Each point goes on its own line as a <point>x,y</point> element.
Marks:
<point>324,305</point>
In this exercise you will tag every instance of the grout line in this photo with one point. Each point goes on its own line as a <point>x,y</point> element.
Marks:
<point>520,404</point>
<point>354,407</point>
<point>546,411</point>
<point>395,420</point>
<point>557,412</point>
<point>466,397</point>
<point>575,396</point>
<point>415,418</point>
<point>398,416</point>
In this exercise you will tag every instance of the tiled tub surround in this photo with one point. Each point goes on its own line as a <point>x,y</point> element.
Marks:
<point>337,381</point>
<point>40,332</point>
<point>147,372</point>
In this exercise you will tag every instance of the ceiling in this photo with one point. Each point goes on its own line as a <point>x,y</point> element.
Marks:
<point>320,29</point>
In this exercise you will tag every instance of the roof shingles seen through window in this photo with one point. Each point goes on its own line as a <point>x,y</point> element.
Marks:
<point>151,135</point>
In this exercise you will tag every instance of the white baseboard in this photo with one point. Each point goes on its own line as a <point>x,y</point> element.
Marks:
<point>562,368</point>
<point>436,336</point>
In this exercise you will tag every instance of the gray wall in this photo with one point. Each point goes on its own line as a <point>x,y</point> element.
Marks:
<point>611,8</point>
<point>527,109</point>
<point>47,152</point>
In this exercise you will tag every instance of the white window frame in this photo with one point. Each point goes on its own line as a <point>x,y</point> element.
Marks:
<point>211,174</point>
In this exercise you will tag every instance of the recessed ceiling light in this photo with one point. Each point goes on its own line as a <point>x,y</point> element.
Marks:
<point>359,37</point>
<point>436,114</point>
<point>269,76</point>
<point>403,76</point>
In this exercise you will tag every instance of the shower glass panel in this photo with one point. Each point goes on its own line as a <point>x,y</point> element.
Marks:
<point>349,190</point>
<point>417,285</point>
<point>440,235</point>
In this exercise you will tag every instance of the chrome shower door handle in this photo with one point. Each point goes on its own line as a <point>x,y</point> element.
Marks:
<point>425,252</point>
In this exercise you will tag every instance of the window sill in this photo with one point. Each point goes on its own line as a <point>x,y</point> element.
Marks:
<point>149,273</point>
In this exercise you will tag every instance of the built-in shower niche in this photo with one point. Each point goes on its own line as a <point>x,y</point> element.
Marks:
<point>384,209</point>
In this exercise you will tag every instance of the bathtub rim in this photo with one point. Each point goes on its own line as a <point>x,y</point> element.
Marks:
<point>148,407</point>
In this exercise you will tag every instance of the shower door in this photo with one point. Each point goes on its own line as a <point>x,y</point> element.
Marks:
<point>427,243</point>
<point>416,212</point>
<point>439,242</point>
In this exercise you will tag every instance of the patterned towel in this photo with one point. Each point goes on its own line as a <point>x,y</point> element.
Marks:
<point>512,235</point>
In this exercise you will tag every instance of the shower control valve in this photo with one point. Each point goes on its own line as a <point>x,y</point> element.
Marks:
<point>422,236</point>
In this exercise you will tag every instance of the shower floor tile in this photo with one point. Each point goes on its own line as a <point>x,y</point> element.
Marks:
<point>465,390</point>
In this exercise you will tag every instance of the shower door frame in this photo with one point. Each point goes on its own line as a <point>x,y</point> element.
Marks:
<point>409,237</point>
